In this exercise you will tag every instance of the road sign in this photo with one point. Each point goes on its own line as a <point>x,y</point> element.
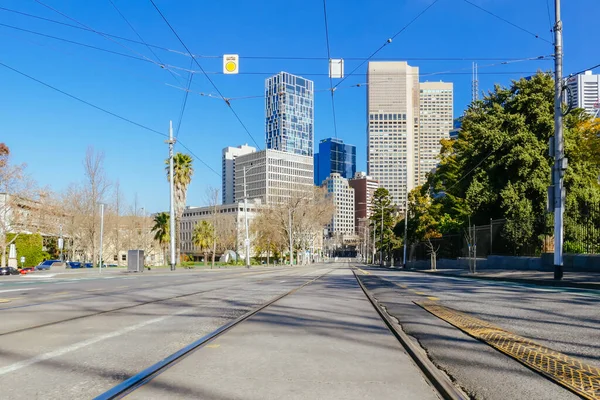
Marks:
<point>231,64</point>
<point>22,259</point>
<point>336,68</point>
<point>60,243</point>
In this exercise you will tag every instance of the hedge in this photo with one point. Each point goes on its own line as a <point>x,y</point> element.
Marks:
<point>29,246</point>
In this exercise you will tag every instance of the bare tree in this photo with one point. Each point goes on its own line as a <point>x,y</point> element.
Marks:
<point>212,195</point>
<point>17,198</point>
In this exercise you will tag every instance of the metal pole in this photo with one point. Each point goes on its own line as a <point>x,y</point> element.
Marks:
<point>405,230</point>
<point>559,160</point>
<point>62,243</point>
<point>373,258</point>
<point>172,199</point>
<point>381,249</point>
<point>101,233</point>
<point>247,241</point>
<point>491,237</point>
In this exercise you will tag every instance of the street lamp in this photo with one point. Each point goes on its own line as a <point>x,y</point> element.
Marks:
<point>101,234</point>
<point>247,241</point>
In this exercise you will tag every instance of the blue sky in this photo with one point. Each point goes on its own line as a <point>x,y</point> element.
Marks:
<point>50,132</point>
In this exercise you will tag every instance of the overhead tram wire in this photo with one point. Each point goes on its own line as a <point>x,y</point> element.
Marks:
<point>106,112</point>
<point>100,33</point>
<point>184,103</point>
<point>302,58</point>
<point>507,21</point>
<point>205,74</point>
<point>142,39</point>
<point>388,41</point>
<point>329,61</point>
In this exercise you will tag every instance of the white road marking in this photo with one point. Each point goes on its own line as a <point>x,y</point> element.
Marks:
<point>17,290</point>
<point>76,346</point>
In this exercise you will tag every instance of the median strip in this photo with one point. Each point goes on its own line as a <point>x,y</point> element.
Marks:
<point>576,375</point>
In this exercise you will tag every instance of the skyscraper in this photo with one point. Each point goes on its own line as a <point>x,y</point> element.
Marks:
<point>585,92</point>
<point>393,123</point>
<point>334,157</point>
<point>289,112</point>
<point>228,170</point>
<point>435,124</point>
<point>343,198</point>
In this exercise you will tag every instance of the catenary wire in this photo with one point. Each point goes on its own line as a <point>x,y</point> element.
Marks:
<point>205,74</point>
<point>184,103</point>
<point>388,41</point>
<point>106,112</point>
<point>257,57</point>
<point>142,39</point>
<point>507,21</point>
<point>100,34</point>
<point>329,58</point>
<point>82,101</point>
<point>550,24</point>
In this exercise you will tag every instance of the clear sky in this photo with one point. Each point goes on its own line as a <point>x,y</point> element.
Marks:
<point>50,131</point>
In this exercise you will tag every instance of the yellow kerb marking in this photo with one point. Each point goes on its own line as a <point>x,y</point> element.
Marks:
<point>432,298</point>
<point>364,272</point>
<point>94,290</point>
<point>213,346</point>
<point>574,374</point>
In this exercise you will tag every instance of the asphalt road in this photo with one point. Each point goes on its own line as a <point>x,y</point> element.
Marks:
<point>565,320</point>
<point>74,336</point>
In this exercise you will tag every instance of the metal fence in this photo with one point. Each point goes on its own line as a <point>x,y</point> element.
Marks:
<point>581,236</point>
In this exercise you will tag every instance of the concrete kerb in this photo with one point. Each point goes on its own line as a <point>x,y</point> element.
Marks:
<point>538,282</point>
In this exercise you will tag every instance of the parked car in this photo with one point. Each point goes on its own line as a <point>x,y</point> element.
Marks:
<point>45,265</point>
<point>74,264</point>
<point>26,270</point>
<point>9,271</point>
<point>89,265</point>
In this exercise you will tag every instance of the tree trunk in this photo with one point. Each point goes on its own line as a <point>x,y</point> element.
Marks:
<point>178,242</point>
<point>205,259</point>
<point>212,265</point>
<point>268,251</point>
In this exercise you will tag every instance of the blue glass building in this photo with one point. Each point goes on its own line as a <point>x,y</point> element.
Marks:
<point>334,157</point>
<point>289,111</point>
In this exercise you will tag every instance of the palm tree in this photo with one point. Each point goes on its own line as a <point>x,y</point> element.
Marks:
<point>203,237</point>
<point>182,172</point>
<point>161,231</point>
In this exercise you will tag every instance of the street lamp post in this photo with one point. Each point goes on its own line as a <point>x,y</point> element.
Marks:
<point>247,241</point>
<point>101,234</point>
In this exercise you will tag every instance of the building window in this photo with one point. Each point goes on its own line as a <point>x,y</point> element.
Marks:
<point>123,257</point>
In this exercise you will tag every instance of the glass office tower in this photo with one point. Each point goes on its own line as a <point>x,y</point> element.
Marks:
<point>289,112</point>
<point>334,157</point>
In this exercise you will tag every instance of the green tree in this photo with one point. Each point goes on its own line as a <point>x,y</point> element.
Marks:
<point>383,213</point>
<point>499,166</point>
<point>161,231</point>
<point>182,173</point>
<point>203,237</point>
<point>29,246</point>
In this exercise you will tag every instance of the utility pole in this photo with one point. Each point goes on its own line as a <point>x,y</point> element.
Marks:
<point>61,244</point>
<point>291,249</point>
<point>557,144</point>
<point>405,230</point>
<point>247,241</point>
<point>101,234</point>
<point>171,142</point>
<point>381,249</point>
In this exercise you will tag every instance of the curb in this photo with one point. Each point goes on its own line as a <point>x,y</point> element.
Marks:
<point>538,282</point>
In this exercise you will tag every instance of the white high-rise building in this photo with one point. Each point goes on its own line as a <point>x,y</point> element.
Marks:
<point>435,124</point>
<point>228,170</point>
<point>393,125</point>
<point>585,92</point>
<point>273,176</point>
<point>343,198</point>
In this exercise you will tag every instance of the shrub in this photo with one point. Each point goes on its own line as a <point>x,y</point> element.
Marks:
<point>30,247</point>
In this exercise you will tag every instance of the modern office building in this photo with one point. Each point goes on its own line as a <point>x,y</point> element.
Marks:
<point>228,170</point>
<point>435,124</point>
<point>456,128</point>
<point>334,157</point>
<point>393,126</point>
<point>229,220</point>
<point>273,176</point>
<point>289,112</point>
<point>584,90</point>
<point>343,197</point>
<point>364,188</point>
